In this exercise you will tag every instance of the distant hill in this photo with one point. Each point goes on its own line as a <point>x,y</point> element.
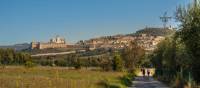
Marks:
<point>155,31</point>
<point>149,31</point>
<point>17,47</point>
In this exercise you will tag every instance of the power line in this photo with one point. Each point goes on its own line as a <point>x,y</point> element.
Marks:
<point>165,19</point>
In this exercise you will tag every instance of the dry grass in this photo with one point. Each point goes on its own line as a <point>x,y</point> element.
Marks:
<point>49,77</point>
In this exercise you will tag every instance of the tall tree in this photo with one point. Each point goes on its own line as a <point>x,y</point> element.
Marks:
<point>117,63</point>
<point>132,55</point>
<point>190,33</point>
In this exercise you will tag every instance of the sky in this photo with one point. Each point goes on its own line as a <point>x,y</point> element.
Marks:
<point>24,21</point>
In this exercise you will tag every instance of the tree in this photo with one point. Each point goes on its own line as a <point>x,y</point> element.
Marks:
<point>132,55</point>
<point>117,63</point>
<point>171,60</point>
<point>106,65</point>
<point>164,58</point>
<point>190,33</point>
<point>77,64</point>
<point>10,57</point>
<point>1,56</point>
<point>0,60</point>
<point>29,64</point>
<point>60,63</point>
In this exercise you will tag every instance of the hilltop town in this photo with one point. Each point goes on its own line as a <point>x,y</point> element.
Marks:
<point>147,38</point>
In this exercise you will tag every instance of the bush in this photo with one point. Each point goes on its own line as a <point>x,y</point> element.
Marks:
<point>106,66</point>
<point>127,79</point>
<point>77,66</point>
<point>60,63</point>
<point>29,64</point>
<point>117,63</point>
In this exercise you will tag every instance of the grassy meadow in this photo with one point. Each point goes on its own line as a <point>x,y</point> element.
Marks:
<point>57,77</point>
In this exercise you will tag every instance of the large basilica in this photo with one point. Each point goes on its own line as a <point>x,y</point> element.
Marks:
<point>56,42</point>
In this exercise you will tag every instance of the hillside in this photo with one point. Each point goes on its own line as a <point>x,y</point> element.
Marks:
<point>155,31</point>
<point>149,31</point>
<point>17,47</point>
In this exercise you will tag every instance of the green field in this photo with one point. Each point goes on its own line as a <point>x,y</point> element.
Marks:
<point>56,77</point>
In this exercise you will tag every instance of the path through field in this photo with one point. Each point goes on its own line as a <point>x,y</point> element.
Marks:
<point>147,82</point>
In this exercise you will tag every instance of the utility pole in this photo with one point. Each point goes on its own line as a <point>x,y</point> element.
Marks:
<point>165,19</point>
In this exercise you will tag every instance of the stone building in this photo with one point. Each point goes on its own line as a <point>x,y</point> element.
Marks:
<point>56,42</point>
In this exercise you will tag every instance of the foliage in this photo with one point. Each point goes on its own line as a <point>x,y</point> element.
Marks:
<point>132,55</point>
<point>170,59</point>
<point>106,65</point>
<point>189,33</point>
<point>103,61</point>
<point>11,57</point>
<point>117,63</point>
<point>77,64</point>
<point>61,63</point>
<point>155,31</point>
<point>127,79</point>
<point>107,83</point>
<point>29,64</point>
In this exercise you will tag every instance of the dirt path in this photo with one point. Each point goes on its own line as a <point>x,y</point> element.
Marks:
<point>147,82</point>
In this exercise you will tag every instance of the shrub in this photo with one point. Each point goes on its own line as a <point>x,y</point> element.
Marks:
<point>127,79</point>
<point>29,64</point>
<point>77,66</point>
<point>60,63</point>
<point>117,63</point>
<point>106,66</point>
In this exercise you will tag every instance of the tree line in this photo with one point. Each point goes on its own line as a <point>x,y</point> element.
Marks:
<point>113,60</point>
<point>11,57</point>
<point>177,58</point>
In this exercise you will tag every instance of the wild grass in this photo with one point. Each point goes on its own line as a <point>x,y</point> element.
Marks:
<point>55,77</point>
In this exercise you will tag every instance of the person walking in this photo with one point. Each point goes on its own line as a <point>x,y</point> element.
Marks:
<point>143,72</point>
<point>148,72</point>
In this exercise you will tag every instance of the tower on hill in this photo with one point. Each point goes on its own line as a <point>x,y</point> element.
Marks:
<point>165,19</point>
